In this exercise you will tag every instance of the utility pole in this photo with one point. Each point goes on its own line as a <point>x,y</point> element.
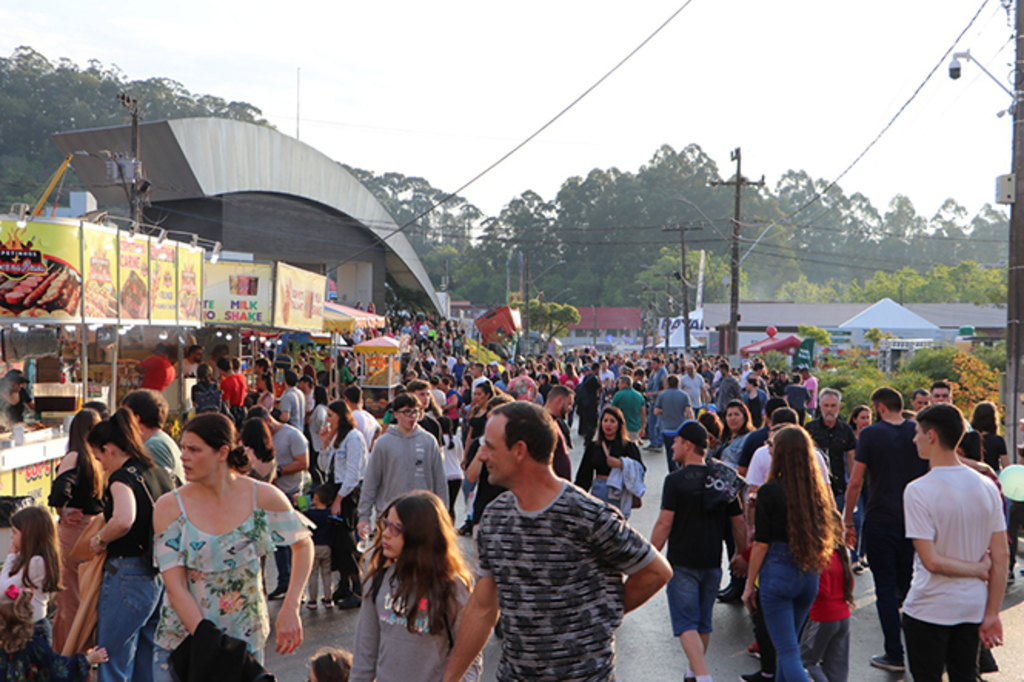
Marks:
<point>526,305</point>
<point>132,105</point>
<point>734,292</point>
<point>684,278</point>
<point>1015,278</point>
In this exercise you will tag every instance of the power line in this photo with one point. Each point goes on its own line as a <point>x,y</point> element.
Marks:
<point>531,137</point>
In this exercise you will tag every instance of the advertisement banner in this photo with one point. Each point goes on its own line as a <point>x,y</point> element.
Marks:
<point>299,299</point>
<point>134,278</point>
<point>100,271</point>
<point>163,285</point>
<point>238,294</point>
<point>190,273</point>
<point>40,270</point>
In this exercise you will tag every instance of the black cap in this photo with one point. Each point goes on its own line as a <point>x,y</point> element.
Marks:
<point>691,431</point>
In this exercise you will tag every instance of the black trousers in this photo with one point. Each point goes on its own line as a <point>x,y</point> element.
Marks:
<point>932,648</point>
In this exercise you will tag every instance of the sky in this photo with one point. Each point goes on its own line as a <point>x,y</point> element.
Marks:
<point>442,90</point>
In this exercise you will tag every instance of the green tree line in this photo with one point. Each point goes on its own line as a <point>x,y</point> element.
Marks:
<point>608,238</point>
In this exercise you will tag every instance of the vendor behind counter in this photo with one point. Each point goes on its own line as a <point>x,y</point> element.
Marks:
<point>15,400</point>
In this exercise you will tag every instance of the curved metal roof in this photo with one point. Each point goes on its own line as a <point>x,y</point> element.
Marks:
<point>202,157</point>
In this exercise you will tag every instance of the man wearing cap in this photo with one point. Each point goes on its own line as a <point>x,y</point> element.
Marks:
<point>694,525</point>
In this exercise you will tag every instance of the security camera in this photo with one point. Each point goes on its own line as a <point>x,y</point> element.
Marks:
<point>954,68</point>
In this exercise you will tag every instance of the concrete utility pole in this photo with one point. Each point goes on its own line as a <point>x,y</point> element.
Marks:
<point>684,277</point>
<point>734,293</point>
<point>1015,278</point>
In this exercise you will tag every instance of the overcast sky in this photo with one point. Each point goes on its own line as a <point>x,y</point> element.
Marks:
<point>443,89</point>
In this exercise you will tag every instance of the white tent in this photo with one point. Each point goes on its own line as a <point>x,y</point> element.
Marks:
<point>889,316</point>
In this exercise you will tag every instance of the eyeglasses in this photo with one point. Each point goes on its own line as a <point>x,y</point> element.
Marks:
<point>410,413</point>
<point>390,527</point>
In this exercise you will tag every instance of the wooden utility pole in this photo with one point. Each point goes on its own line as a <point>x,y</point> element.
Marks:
<point>526,305</point>
<point>734,292</point>
<point>132,105</point>
<point>1015,278</point>
<point>684,277</point>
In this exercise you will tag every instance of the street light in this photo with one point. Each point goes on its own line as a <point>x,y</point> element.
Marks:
<point>1014,278</point>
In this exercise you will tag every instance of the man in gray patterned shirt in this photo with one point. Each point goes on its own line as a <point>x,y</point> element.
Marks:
<point>553,558</point>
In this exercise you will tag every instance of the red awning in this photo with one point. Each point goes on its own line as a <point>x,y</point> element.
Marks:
<point>783,344</point>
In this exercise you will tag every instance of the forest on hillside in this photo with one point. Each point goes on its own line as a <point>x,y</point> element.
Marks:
<point>610,238</point>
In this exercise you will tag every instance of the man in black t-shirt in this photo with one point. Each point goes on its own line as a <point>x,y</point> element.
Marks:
<point>836,440</point>
<point>694,526</point>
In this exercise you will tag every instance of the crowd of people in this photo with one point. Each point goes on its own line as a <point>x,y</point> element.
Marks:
<point>162,544</point>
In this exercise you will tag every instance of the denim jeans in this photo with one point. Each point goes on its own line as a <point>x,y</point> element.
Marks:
<point>858,521</point>
<point>891,556</point>
<point>786,594</point>
<point>672,466</point>
<point>127,615</point>
<point>613,496</point>
<point>654,428</point>
<point>283,561</point>
<point>691,598</point>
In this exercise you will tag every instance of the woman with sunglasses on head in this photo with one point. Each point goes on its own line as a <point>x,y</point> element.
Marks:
<point>415,589</point>
<point>793,542</point>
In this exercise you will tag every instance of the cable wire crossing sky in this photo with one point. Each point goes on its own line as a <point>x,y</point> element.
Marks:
<point>442,91</point>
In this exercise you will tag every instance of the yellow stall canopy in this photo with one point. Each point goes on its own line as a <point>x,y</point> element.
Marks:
<point>381,346</point>
<point>342,319</point>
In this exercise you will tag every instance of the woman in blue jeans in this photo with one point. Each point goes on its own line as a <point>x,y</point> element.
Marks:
<point>793,541</point>
<point>131,589</point>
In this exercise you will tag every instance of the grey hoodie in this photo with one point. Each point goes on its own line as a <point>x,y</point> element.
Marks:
<point>400,464</point>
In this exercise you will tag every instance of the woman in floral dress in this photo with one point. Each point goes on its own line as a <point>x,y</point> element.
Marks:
<point>210,535</point>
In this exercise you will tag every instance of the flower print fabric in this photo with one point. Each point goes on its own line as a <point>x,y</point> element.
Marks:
<point>223,572</point>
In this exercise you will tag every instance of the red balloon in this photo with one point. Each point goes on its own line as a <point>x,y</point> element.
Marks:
<point>772,331</point>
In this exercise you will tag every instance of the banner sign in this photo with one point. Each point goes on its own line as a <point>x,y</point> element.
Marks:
<point>100,271</point>
<point>804,356</point>
<point>133,298</point>
<point>190,277</point>
<point>238,294</point>
<point>40,270</point>
<point>163,289</point>
<point>299,299</point>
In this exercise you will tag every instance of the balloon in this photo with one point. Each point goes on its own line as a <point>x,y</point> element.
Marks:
<point>1012,481</point>
<point>771,331</point>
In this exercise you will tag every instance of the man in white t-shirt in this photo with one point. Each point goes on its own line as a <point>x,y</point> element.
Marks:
<point>365,422</point>
<point>954,516</point>
<point>761,462</point>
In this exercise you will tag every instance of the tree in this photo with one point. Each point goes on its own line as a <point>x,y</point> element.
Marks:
<point>550,320</point>
<point>875,336</point>
<point>821,337</point>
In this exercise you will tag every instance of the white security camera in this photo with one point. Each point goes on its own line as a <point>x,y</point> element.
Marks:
<point>954,68</point>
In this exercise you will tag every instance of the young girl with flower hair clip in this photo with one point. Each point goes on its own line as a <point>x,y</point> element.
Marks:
<point>26,655</point>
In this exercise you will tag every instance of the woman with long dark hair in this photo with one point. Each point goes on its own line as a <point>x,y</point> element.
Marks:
<point>477,418</point>
<point>258,445</point>
<point>77,495</point>
<point>602,454</point>
<point>210,536</point>
<point>415,590</point>
<point>131,590</point>
<point>343,463</point>
<point>793,544</point>
<point>985,420</point>
<point>737,426</point>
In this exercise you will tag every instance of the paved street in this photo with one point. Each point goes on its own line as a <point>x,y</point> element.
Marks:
<point>646,648</point>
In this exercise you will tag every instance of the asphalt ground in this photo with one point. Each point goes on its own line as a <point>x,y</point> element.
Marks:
<point>646,649</point>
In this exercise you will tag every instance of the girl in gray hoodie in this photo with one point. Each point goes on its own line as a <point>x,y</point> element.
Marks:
<point>412,603</point>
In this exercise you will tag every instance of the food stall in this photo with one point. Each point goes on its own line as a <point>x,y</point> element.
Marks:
<point>249,303</point>
<point>67,286</point>
<point>340,319</point>
<point>380,372</point>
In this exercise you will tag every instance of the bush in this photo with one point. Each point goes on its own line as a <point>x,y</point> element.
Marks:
<point>935,363</point>
<point>993,356</point>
